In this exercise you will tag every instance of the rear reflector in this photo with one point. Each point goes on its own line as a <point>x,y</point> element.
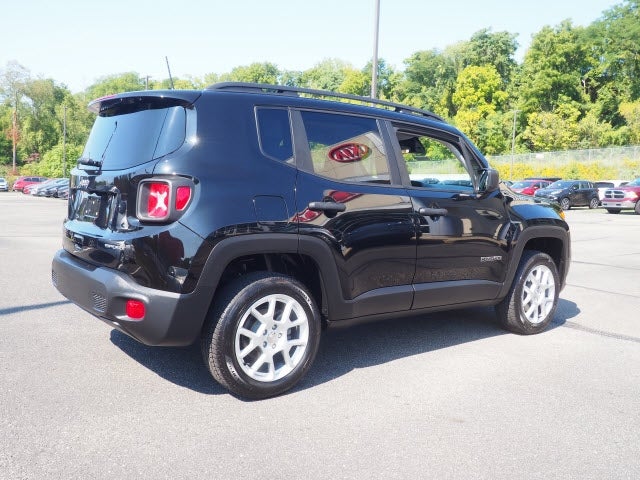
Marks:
<point>183,195</point>
<point>135,309</point>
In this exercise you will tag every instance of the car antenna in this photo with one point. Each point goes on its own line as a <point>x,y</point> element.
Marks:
<point>169,70</point>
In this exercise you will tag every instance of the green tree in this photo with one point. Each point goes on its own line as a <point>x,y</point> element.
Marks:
<point>326,75</point>
<point>355,82</point>
<point>552,69</point>
<point>614,42</point>
<point>255,73</point>
<point>497,49</point>
<point>112,84</point>
<point>550,131</point>
<point>6,152</point>
<point>52,163</point>
<point>387,79</point>
<point>429,82</point>
<point>631,113</point>
<point>478,98</point>
<point>41,128</point>
<point>13,79</point>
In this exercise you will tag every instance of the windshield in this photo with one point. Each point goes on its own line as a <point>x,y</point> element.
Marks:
<point>560,184</point>
<point>635,183</point>
<point>521,184</point>
<point>122,141</point>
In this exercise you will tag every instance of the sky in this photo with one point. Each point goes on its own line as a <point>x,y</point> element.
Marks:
<point>76,42</point>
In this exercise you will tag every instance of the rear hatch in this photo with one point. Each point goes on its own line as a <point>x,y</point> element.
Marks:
<point>131,133</point>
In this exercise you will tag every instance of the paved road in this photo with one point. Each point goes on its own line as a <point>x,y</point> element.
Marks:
<point>447,395</point>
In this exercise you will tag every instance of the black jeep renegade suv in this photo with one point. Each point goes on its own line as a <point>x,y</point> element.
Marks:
<point>247,216</point>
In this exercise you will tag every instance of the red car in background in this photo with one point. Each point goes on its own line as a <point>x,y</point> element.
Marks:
<point>21,182</point>
<point>529,187</point>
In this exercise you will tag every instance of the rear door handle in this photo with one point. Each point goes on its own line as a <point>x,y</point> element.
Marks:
<point>433,212</point>
<point>331,207</point>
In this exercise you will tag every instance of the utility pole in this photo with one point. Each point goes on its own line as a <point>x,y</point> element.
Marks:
<point>374,63</point>
<point>513,142</point>
<point>64,142</point>
<point>14,133</point>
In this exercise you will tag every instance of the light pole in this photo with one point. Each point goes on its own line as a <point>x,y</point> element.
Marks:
<point>513,142</point>
<point>64,142</point>
<point>374,63</point>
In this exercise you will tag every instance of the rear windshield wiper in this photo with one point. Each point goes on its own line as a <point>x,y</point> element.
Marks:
<point>90,161</point>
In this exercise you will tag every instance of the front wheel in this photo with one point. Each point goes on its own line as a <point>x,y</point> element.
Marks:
<point>531,302</point>
<point>637,207</point>
<point>565,203</point>
<point>262,335</point>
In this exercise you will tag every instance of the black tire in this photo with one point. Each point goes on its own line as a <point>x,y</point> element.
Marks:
<point>637,208</point>
<point>565,203</point>
<point>528,312</point>
<point>255,367</point>
<point>594,202</point>
<point>613,211</point>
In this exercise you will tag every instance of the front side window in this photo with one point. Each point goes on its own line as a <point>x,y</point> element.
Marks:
<point>433,162</point>
<point>346,148</point>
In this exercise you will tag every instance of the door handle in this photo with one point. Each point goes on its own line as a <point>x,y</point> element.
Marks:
<point>330,207</point>
<point>433,212</point>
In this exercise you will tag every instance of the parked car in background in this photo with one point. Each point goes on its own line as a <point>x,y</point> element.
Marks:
<point>570,193</point>
<point>623,198</point>
<point>529,187</point>
<point>21,182</point>
<point>548,179</point>
<point>604,185</point>
<point>4,185</point>
<point>46,189</point>
<point>62,192</point>
<point>58,188</point>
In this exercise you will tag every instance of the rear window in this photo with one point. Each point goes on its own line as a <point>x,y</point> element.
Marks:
<point>135,137</point>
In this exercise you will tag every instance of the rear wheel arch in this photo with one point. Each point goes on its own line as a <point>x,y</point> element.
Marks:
<point>308,261</point>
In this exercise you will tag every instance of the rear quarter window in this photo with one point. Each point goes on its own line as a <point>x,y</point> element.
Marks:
<point>274,133</point>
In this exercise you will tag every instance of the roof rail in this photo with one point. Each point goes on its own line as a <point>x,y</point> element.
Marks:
<point>285,90</point>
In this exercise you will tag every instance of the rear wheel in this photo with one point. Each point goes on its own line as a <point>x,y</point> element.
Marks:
<point>565,203</point>
<point>262,335</point>
<point>594,203</point>
<point>637,207</point>
<point>531,302</point>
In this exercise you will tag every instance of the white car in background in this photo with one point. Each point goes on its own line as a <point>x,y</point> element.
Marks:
<point>4,185</point>
<point>603,185</point>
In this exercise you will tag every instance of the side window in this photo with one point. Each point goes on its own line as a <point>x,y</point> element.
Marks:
<point>346,148</point>
<point>274,133</point>
<point>433,162</point>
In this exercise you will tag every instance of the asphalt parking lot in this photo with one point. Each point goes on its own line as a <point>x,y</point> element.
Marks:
<point>447,395</point>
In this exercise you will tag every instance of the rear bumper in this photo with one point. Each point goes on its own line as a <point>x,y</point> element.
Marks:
<point>170,319</point>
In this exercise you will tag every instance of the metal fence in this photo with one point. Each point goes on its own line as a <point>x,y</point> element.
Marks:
<point>615,162</point>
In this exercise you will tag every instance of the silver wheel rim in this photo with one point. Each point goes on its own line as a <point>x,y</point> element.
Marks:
<point>272,337</point>
<point>565,203</point>
<point>538,294</point>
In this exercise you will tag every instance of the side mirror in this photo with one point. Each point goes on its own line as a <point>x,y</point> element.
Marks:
<point>490,180</point>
